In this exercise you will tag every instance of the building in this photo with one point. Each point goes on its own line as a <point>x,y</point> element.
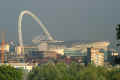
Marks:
<point>43,46</point>
<point>6,47</point>
<point>75,55</point>
<point>28,49</point>
<point>12,48</point>
<point>72,52</point>
<point>15,59</point>
<point>5,56</point>
<point>56,48</point>
<point>35,55</point>
<point>94,56</point>
<point>83,46</point>
<point>38,56</point>
<point>19,50</point>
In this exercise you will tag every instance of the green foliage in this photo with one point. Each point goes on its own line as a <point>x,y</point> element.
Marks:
<point>114,74</point>
<point>74,71</point>
<point>118,31</point>
<point>10,73</point>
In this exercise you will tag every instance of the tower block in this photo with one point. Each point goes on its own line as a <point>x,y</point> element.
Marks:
<point>2,47</point>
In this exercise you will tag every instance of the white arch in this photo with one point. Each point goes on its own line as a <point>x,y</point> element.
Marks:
<point>36,19</point>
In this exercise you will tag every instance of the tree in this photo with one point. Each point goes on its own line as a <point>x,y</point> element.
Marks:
<point>51,71</point>
<point>114,74</point>
<point>118,32</point>
<point>10,73</point>
<point>73,71</point>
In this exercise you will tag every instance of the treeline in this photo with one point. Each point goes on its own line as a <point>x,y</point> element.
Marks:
<point>74,71</point>
<point>61,71</point>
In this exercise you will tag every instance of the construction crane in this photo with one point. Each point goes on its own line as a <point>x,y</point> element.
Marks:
<point>2,47</point>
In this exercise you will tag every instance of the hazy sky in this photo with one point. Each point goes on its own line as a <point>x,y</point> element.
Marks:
<point>64,19</point>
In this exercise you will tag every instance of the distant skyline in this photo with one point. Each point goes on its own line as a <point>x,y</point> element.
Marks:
<point>64,19</point>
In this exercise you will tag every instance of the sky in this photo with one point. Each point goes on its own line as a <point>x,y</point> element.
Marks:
<point>64,19</point>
